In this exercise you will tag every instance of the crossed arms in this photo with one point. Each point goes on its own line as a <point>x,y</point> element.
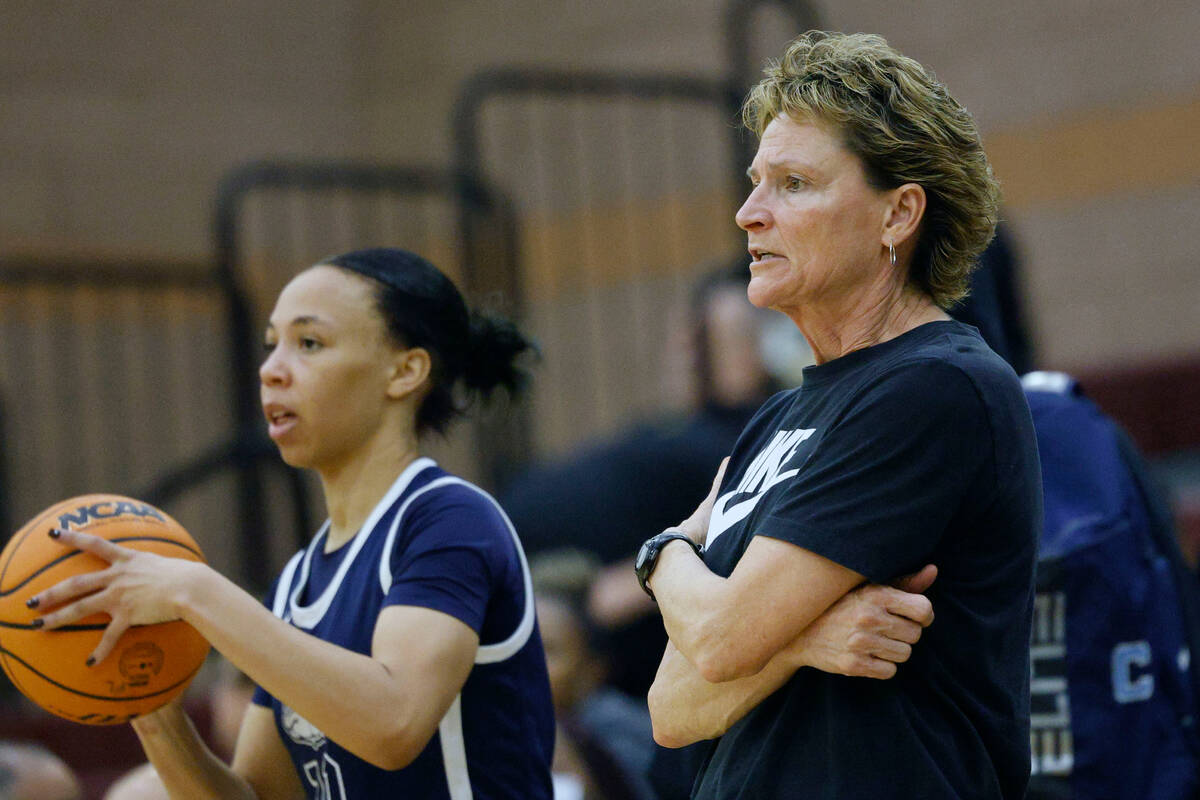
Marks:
<point>734,641</point>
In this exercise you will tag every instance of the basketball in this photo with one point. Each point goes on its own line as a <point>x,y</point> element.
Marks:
<point>150,665</point>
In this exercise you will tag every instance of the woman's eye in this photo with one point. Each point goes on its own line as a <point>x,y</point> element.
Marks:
<point>308,343</point>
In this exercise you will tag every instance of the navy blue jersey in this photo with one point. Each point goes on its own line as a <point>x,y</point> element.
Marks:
<point>914,451</point>
<point>437,542</point>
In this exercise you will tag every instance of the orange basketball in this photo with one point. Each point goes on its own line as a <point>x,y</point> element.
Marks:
<point>150,665</point>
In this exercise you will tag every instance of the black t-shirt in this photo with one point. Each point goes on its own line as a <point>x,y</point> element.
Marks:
<point>918,450</point>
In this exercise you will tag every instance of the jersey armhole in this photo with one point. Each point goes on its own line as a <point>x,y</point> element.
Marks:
<point>487,653</point>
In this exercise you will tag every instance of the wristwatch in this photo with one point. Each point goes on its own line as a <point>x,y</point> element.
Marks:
<point>647,557</point>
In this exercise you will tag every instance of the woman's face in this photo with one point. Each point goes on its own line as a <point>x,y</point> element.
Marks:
<point>324,381</point>
<point>813,223</point>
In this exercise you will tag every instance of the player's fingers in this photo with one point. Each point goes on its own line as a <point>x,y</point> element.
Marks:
<point>69,614</point>
<point>73,587</point>
<point>108,641</point>
<point>91,544</point>
<point>919,581</point>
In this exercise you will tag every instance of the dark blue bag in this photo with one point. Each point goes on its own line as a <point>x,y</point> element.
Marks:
<point>1113,689</point>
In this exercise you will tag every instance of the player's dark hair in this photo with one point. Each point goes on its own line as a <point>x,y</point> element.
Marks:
<point>423,308</point>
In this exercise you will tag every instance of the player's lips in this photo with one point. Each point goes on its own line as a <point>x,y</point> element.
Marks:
<point>280,419</point>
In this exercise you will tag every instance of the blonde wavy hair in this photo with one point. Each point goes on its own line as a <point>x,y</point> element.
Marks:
<point>905,128</point>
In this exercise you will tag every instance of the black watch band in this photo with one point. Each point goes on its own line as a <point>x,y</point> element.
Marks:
<point>647,557</point>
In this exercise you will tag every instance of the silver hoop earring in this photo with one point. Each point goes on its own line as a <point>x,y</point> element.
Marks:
<point>892,253</point>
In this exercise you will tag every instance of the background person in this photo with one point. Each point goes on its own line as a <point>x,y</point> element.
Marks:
<point>31,772</point>
<point>604,745</point>
<point>400,655</point>
<point>909,443</point>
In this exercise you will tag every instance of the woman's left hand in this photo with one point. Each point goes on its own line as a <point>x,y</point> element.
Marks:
<point>137,588</point>
<point>871,630</point>
<point>696,526</point>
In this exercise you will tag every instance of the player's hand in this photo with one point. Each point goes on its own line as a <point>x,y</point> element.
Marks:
<point>869,631</point>
<point>696,526</point>
<point>137,588</point>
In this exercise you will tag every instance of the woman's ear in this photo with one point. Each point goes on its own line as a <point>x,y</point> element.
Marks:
<point>410,367</point>
<point>904,214</point>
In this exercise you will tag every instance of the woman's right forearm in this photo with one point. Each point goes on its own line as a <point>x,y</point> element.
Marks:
<point>187,768</point>
<point>685,708</point>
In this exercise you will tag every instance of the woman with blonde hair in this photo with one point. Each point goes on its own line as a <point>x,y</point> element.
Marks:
<point>909,443</point>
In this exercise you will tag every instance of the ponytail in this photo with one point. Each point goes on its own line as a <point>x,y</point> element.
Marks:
<point>494,348</point>
<point>422,308</point>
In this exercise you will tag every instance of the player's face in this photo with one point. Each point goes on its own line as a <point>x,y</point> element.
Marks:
<point>813,223</point>
<point>324,381</point>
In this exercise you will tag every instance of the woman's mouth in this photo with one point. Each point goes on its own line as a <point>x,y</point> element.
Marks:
<point>760,256</point>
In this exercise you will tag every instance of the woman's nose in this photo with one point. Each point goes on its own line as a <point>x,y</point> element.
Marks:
<point>752,214</point>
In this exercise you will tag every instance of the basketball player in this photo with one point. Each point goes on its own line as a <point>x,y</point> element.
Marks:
<point>400,655</point>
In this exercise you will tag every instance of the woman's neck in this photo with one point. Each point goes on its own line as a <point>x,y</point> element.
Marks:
<point>353,489</point>
<point>871,320</point>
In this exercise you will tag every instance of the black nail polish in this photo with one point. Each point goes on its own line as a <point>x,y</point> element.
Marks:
<point>90,660</point>
<point>55,533</point>
<point>37,623</point>
<point>32,602</point>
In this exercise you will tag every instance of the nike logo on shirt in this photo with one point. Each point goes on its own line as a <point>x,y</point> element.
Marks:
<point>765,471</point>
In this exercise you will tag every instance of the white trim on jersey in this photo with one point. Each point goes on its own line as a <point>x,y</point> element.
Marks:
<point>454,752</point>
<point>308,616</point>
<point>487,653</point>
<point>450,731</point>
<point>502,651</point>
<point>279,607</point>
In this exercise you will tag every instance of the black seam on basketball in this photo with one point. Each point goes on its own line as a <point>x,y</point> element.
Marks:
<point>12,675</point>
<point>53,682</point>
<point>13,552</point>
<point>74,553</point>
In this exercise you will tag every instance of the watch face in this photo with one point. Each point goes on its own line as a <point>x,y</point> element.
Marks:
<point>640,561</point>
